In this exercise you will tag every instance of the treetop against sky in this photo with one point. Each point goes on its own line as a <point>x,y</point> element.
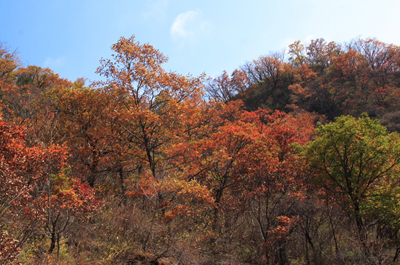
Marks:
<point>71,37</point>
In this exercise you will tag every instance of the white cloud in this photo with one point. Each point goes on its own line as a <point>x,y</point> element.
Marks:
<point>189,25</point>
<point>54,63</point>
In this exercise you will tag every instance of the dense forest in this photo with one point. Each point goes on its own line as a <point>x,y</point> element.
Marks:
<point>291,159</point>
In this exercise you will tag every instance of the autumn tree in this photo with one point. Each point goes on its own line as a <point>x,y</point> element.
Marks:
<point>311,89</point>
<point>148,98</point>
<point>65,200</point>
<point>86,125</point>
<point>360,76</point>
<point>248,164</point>
<point>26,102</point>
<point>269,78</point>
<point>276,184</point>
<point>317,55</point>
<point>224,88</point>
<point>23,170</point>
<point>9,61</point>
<point>209,179</point>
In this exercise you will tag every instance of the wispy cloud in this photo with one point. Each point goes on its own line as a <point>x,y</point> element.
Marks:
<point>189,25</point>
<point>54,63</point>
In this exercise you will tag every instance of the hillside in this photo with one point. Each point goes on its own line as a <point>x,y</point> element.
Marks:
<point>291,159</point>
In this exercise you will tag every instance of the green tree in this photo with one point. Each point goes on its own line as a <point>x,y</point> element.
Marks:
<point>353,158</point>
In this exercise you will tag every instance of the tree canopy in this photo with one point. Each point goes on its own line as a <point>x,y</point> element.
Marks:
<point>285,161</point>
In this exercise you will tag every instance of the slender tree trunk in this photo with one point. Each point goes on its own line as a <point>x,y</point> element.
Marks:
<point>53,242</point>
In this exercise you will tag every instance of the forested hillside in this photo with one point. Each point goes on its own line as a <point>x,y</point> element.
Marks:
<point>291,159</point>
<point>327,78</point>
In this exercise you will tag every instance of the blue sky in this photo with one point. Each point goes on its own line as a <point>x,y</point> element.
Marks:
<point>71,36</point>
